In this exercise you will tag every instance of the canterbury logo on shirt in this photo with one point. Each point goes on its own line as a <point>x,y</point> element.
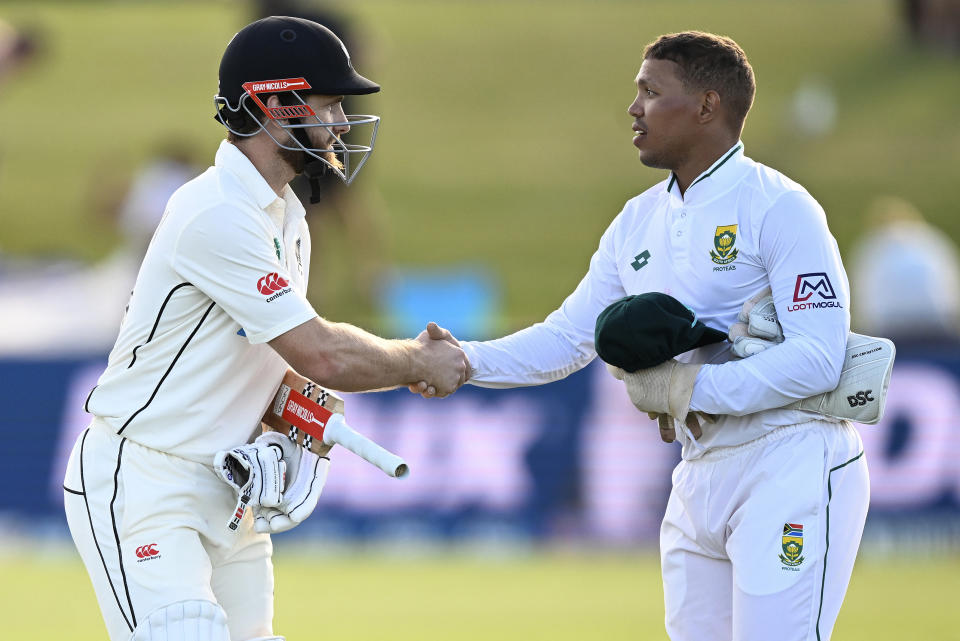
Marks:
<point>147,552</point>
<point>273,284</point>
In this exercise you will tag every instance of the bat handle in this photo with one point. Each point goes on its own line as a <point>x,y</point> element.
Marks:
<point>337,432</point>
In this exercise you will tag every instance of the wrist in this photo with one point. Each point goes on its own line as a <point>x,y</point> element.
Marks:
<point>416,364</point>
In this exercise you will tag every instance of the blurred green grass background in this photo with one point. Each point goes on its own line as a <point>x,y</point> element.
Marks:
<point>505,140</point>
<point>556,596</point>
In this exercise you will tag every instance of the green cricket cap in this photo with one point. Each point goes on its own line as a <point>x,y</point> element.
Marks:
<point>641,331</point>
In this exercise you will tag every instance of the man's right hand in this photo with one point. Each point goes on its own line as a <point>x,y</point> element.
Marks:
<point>445,365</point>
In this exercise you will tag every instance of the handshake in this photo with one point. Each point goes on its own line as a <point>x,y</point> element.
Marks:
<point>279,477</point>
<point>445,366</point>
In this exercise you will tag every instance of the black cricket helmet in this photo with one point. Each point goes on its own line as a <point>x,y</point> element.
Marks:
<point>292,58</point>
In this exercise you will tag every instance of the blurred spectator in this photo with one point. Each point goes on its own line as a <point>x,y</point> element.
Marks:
<point>151,188</point>
<point>813,108</point>
<point>934,22</point>
<point>16,48</point>
<point>42,305</point>
<point>905,277</point>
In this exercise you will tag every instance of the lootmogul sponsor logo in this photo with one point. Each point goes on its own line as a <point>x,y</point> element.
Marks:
<point>813,283</point>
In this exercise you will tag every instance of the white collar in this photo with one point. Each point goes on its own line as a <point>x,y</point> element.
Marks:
<point>733,163</point>
<point>230,158</point>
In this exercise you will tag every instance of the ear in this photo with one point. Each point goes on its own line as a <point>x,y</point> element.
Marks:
<point>274,101</point>
<point>709,107</point>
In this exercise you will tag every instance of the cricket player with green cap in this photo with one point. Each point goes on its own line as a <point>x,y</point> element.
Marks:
<point>769,500</point>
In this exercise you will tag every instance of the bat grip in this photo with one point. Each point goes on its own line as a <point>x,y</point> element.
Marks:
<point>337,432</point>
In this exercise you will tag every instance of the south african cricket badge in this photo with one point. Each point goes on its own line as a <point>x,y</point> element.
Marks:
<point>792,544</point>
<point>723,241</point>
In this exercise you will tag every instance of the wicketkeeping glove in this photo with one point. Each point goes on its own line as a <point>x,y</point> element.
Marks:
<point>758,327</point>
<point>664,389</point>
<point>255,471</point>
<point>306,476</point>
<point>861,394</point>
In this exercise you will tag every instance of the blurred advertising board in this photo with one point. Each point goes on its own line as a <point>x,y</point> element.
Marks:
<point>572,459</point>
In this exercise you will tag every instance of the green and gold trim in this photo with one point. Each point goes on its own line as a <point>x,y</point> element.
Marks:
<point>710,172</point>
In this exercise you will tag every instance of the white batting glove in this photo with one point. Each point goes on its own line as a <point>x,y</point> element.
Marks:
<point>758,328</point>
<point>306,475</point>
<point>664,389</point>
<point>256,471</point>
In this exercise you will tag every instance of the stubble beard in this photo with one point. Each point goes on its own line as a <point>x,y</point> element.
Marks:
<point>654,161</point>
<point>295,159</point>
<point>669,159</point>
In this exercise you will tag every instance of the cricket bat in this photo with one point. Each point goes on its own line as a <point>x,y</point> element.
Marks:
<point>313,417</point>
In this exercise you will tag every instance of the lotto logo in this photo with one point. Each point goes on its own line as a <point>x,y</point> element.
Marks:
<point>860,398</point>
<point>271,283</point>
<point>147,551</point>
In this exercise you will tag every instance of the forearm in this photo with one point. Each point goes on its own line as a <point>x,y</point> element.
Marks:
<point>347,358</point>
<point>533,356</point>
<point>795,369</point>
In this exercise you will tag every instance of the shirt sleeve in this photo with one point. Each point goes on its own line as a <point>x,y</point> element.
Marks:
<point>563,342</point>
<point>230,257</point>
<point>812,298</point>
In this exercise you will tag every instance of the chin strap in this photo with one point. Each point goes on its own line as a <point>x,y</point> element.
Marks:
<point>314,170</point>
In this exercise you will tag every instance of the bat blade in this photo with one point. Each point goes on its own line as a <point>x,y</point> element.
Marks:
<point>314,418</point>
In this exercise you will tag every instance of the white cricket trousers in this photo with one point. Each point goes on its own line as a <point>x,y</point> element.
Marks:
<point>758,541</point>
<point>151,529</point>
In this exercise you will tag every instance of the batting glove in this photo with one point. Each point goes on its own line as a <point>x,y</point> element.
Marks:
<point>306,475</point>
<point>255,471</point>
<point>758,328</point>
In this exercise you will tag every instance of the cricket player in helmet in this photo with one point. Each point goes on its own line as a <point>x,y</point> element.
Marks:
<point>295,59</point>
<point>217,316</point>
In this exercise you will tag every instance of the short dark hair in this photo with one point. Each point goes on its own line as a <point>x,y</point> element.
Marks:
<point>710,61</point>
<point>242,122</point>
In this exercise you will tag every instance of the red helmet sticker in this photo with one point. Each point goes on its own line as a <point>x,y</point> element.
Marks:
<point>273,86</point>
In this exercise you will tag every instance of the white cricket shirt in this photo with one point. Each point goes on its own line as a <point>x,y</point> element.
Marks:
<point>226,271</point>
<point>740,227</point>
